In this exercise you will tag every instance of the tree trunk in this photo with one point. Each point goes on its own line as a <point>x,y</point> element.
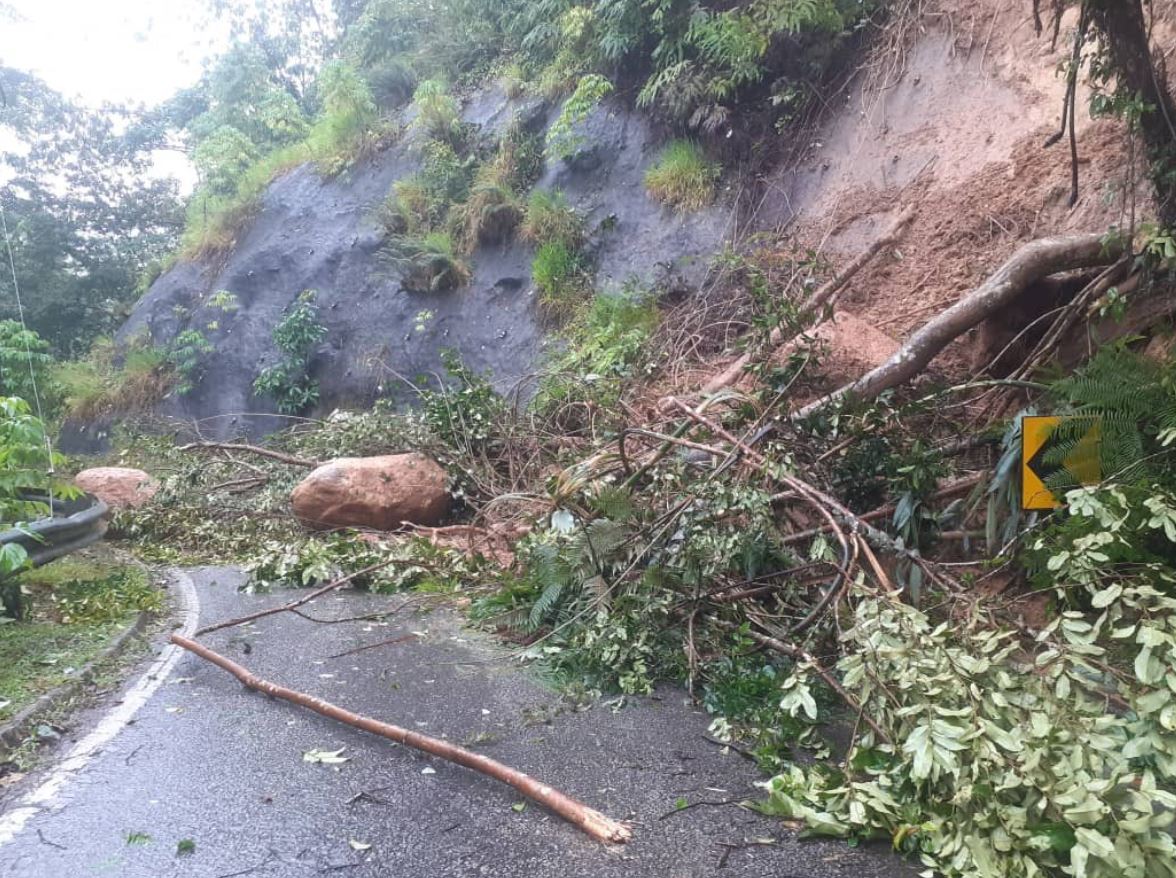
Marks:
<point>1032,262</point>
<point>1124,28</point>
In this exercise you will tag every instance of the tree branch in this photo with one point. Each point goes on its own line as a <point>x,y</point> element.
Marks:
<point>578,814</point>
<point>291,459</point>
<point>1032,262</point>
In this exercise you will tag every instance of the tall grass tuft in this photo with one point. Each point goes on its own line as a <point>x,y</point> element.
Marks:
<point>682,177</point>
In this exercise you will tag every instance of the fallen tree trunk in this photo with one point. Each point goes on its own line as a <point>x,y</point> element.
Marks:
<point>578,814</point>
<point>1032,262</point>
<point>818,300</point>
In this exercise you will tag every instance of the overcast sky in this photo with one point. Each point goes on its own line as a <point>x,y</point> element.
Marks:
<point>110,50</point>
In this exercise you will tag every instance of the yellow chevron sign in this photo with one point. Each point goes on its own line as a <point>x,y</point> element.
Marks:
<point>1082,463</point>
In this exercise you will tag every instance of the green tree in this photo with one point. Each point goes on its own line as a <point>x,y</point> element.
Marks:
<point>84,214</point>
<point>24,362</point>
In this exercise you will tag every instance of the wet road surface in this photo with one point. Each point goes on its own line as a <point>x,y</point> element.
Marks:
<point>208,766</point>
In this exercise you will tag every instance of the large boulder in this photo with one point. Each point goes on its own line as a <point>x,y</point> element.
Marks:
<point>375,492</point>
<point>120,487</point>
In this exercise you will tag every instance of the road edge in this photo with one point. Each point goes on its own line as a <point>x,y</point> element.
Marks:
<point>44,796</point>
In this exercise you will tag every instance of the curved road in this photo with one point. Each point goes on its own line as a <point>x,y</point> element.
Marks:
<point>209,780</point>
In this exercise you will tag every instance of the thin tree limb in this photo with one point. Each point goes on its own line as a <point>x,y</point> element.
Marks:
<point>291,459</point>
<point>818,300</point>
<point>578,814</point>
<point>305,599</point>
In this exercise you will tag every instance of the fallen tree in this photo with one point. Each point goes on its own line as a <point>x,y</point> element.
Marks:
<point>820,301</point>
<point>1032,262</point>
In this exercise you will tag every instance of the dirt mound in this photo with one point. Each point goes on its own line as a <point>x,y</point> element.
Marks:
<point>959,134</point>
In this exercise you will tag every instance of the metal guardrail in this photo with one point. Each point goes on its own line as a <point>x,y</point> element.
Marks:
<point>76,524</point>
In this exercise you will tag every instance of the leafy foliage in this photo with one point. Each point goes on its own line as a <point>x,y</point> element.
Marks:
<point>187,354</point>
<point>563,139</point>
<point>25,362</point>
<point>464,415</point>
<point>1132,400</point>
<point>27,469</point>
<point>437,112</point>
<point>296,336</point>
<point>607,347</point>
<point>1008,762</point>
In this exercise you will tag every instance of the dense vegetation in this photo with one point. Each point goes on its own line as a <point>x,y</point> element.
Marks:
<point>1002,682</point>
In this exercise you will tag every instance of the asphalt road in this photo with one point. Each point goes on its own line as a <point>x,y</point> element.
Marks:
<point>220,771</point>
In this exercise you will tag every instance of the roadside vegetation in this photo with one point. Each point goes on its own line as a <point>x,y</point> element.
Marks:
<point>68,612</point>
<point>843,575</point>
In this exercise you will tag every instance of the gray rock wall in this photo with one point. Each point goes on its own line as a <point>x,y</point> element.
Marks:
<point>323,235</point>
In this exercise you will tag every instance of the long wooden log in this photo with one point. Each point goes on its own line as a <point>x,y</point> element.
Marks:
<point>577,813</point>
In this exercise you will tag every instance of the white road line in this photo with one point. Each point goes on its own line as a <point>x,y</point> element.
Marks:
<point>45,796</point>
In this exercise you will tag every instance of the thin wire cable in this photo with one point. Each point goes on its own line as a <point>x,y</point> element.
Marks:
<point>29,355</point>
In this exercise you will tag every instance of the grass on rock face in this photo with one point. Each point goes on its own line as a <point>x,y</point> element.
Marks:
<point>682,176</point>
<point>558,272</point>
<point>100,385</point>
<point>72,609</point>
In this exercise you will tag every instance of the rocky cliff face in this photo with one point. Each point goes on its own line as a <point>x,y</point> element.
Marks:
<point>323,235</point>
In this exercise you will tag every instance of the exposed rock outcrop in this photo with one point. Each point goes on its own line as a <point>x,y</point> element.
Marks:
<point>381,493</point>
<point>120,487</point>
<point>324,235</point>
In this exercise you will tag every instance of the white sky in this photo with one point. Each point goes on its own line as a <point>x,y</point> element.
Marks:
<point>110,50</point>
<point>138,51</point>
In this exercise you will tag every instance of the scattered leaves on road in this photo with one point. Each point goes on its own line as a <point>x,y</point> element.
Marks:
<point>138,838</point>
<point>185,847</point>
<point>326,757</point>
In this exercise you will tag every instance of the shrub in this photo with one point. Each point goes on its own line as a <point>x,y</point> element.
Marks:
<point>606,344</point>
<point>562,139</point>
<point>467,415</point>
<point>342,131</point>
<point>420,203</point>
<point>428,263</point>
<point>489,216</point>
<point>288,382</point>
<point>558,272</point>
<point>186,354</point>
<point>222,159</point>
<point>100,385</point>
<point>24,362</point>
<point>438,113</point>
<point>549,218</point>
<point>26,464</point>
<point>682,176</point>
<point>392,82</point>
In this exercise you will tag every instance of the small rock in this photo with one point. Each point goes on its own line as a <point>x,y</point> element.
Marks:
<point>120,487</point>
<point>376,492</point>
